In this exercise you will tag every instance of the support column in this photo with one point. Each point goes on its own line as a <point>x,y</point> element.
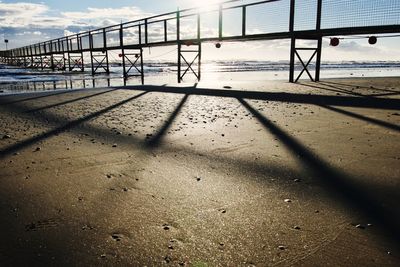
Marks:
<point>295,53</point>
<point>132,63</point>
<point>183,60</point>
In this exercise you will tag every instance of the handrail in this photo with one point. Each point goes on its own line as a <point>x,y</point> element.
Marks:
<point>144,21</point>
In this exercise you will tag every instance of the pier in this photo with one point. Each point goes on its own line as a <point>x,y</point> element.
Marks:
<point>188,29</point>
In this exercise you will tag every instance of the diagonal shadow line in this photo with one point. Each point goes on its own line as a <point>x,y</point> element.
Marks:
<point>385,94</point>
<point>156,140</point>
<point>69,101</point>
<point>334,181</point>
<point>18,146</point>
<point>385,124</point>
<point>351,101</point>
<point>359,94</point>
<point>46,94</point>
<point>367,87</point>
<point>340,90</point>
<point>336,90</point>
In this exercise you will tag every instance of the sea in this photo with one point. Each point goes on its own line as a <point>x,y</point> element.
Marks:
<point>17,79</point>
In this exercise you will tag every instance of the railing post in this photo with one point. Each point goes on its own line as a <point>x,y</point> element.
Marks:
<point>319,45</point>
<point>165,31</point>
<point>220,22</point>
<point>244,21</point>
<point>292,40</point>
<point>105,49</point>
<point>140,33</point>
<point>91,51</point>
<point>145,32</point>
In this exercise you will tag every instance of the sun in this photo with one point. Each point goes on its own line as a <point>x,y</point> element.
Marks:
<point>199,3</point>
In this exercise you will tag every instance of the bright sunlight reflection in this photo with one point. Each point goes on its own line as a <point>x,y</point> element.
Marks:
<point>199,3</point>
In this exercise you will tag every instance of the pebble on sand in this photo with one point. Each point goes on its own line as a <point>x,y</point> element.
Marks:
<point>288,200</point>
<point>282,247</point>
<point>360,226</point>
<point>38,149</point>
<point>6,136</point>
<point>114,145</point>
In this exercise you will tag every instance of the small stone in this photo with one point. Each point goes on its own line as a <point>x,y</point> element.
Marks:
<point>360,226</point>
<point>170,247</point>
<point>297,227</point>
<point>114,145</point>
<point>116,237</point>
<point>288,200</point>
<point>165,227</point>
<point>222,134</point>
<point>125,189</point>
<point>296,180</point>
<point>6,136</point>
<point>198,178</point>
<point>389,253</point>
<point>38,149</point>
<point>167,259</point>
<point>369,224</point>
<point>282,247</point>
<point>103,255</point>
<point>109,176</point>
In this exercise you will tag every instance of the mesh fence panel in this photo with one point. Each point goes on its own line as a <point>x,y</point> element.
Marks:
<point>268,17</point>
<point>112,38</point>
<point>232,22</point>
<point>155,32</point>
<point>359,13</point>
<point>305,17</point>
<point>131,35</point>
<point>98,41</point>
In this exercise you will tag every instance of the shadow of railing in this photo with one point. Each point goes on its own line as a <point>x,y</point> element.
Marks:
<point>338,183</point>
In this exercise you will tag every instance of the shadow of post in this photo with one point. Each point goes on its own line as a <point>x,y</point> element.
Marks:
<point>334,181</point>
<point>18,146</point>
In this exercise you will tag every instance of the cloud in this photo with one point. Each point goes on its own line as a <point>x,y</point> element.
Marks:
<point>30,15</point>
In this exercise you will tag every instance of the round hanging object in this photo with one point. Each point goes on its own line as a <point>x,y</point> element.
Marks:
<point>372,40</point>
<point>136,55</point>
<point>120,55</point>
<point>218,45</point>
<point>334,41</point>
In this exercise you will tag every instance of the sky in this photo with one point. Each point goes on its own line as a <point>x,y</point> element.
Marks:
<point>26,22</point>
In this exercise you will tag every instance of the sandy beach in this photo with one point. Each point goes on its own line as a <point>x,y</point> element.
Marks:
<point>208,174</point>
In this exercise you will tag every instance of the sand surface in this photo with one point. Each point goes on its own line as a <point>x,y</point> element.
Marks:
<point>259,174</point>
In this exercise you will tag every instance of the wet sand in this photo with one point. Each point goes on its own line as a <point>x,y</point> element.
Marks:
<point>253,174</point>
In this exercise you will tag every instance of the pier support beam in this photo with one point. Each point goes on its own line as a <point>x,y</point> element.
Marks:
<point>58,62</point>
<point>99,61</point>
<point>187,58</point>
<point>295,52</point>
<point>132,63</point>
<point>75,61</point>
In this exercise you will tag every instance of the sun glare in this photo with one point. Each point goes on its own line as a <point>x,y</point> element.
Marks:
<point>200,3</point>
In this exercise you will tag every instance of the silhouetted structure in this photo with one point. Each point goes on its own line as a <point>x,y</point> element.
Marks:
<point>296,20</point>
